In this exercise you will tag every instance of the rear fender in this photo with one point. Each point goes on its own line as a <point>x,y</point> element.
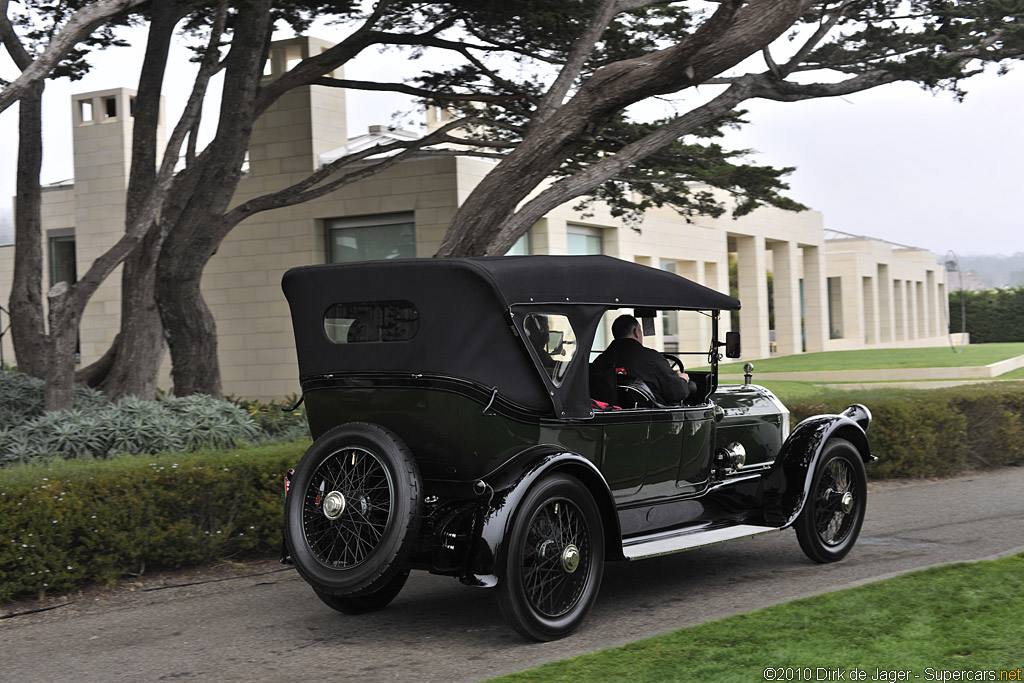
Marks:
<point>500,497</point>
<point>788,483</point>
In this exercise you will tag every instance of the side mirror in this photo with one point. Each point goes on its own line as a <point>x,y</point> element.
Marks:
<point>732,344</point>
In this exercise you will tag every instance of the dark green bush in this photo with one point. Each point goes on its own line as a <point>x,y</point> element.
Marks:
<point>919,433</point>
<point>69,523</point>
<point>993,315</point>
<point>276,420</point>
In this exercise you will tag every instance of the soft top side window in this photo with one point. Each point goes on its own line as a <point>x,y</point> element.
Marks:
<point>371,321</point>
<point>554,340</point>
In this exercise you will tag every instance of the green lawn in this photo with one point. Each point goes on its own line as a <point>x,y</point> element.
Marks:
<point>957,618</point>
<point>877,359</point>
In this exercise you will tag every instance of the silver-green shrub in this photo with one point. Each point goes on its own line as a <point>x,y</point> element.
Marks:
<point>97,428</point>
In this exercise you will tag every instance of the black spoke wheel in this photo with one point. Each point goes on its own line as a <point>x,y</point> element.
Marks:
<point>831,519</point>
<point>553,561</point>
<point>353,511</point>
<point>369,602</point>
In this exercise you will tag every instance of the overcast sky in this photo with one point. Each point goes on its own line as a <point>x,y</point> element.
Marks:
<point>897,163</point>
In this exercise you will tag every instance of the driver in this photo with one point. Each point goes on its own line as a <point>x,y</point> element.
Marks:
<point>627,355</point>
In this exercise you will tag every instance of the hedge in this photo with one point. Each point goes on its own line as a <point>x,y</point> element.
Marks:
<point>72,523</point>
<point>918,433</point>
<point>993,315</point>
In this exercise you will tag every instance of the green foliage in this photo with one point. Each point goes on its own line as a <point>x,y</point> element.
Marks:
<point>21,398</point>
<point>993,315</point>
<point>97,428</point>
<point>275,420</point>
<point>935,434</point>
<point>67,524</point>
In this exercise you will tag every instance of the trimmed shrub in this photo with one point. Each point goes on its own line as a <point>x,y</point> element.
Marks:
<point>936,434</point>
<point>274,420</point>
<point>68,524</point>
<point>101,429</point>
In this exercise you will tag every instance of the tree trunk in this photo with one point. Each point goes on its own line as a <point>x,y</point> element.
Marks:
<point>139,348</point>
<point>28,327</point>
<point>191,336</point>
<point>195,233</point>
<point>59,392</point>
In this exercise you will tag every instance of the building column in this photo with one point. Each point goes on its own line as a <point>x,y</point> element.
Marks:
<point>787,298</point>
<point>900,311</point>
<point>870,296</point>
<point>716,276</point>
<point>914,289</point>
<point>752,274</point>
<point>853,307</point>
<point>815,299</point>
<point>885,305</point>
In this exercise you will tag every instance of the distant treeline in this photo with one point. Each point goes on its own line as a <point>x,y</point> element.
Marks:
<point>994,315</point>
<point>995,270</point>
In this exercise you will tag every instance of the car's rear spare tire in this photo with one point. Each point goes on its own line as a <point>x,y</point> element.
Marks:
<point>353,510</point>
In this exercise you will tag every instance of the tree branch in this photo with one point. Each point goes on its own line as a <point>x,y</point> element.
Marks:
<point>310,188</point>
<point>81,24</point>
<point>410,90</point>
<point>578,54</point>
<point>813,42</point>
<point>22,59</point>
<point>609,167</point>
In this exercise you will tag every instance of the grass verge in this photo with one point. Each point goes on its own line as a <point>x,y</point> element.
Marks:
<point>956,618</point>
<point>881,359</point>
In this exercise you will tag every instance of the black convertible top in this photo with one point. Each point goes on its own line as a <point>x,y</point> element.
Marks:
<point>469,316</point>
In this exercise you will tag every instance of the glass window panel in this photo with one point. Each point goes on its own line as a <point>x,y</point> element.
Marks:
<point>372,242</point>
<point>582,245</point>
<point>521,247</point>
<point>554,340</point>
<point>371,321</point>
<point>62,260</point>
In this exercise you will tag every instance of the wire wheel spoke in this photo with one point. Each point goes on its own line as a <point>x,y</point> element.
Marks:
<point>556,528</point>
<point>831,519</point>
<point>344,539</point>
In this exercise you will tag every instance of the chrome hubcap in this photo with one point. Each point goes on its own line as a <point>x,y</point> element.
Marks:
<point>334,504</point>
<point>847,502</point>
<point>570,559</point>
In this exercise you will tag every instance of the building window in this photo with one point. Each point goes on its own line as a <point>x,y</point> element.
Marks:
<point>85,111</point>
<point>835,308</point>
<point>584,241</point>
<point>371,238</point>
<point>110,107</point>
<point>521,247</point>
<point>63,267</point>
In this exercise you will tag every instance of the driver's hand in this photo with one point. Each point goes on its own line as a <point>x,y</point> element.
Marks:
<point>683,375</point>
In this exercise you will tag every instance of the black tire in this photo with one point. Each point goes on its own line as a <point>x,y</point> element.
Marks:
<point>830,522</point>
<point>369,602</point>
<point>546,587</point>
<point>353,510</point>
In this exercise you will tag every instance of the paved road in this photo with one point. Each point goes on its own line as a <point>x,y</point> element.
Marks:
<point>271,627</point>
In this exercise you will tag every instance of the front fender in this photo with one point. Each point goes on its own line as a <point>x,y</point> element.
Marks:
<point>505,491</point>
<point>788,483</point>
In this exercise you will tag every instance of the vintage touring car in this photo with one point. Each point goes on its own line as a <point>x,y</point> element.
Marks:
<point>454,432</point>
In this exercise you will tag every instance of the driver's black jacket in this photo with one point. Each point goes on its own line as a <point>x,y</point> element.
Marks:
<point>629,357</point>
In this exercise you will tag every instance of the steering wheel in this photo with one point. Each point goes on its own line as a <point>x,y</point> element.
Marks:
<point>674,362</point>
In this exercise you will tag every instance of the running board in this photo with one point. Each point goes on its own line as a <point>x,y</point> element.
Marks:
<point>638,549</point>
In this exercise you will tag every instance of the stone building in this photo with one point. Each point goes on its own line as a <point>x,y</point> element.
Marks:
<point>829,294</point>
